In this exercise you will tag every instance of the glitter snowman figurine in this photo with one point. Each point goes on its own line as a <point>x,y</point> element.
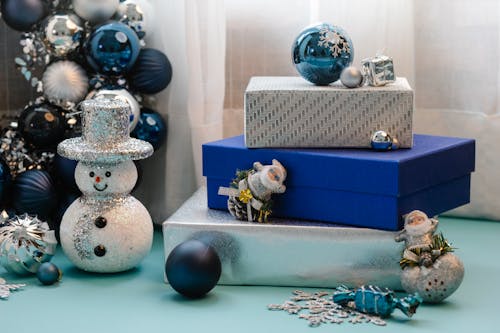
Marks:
<point>106,230</point>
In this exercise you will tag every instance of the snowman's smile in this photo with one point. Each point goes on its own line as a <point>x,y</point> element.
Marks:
<point>100,188</point>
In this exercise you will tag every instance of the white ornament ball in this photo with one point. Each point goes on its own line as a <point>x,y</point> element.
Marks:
<point>95,10</point>
<point>102,179</point>
<point>123,94</point>
<point>65,81</point>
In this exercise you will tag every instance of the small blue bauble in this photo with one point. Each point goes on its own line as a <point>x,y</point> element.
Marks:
<point>22,15</point>
<point>193,268</point>
<point>33,192</point>
<point>151,73</point>
<point>112,48</point>
<point>151,128</point>
<point>321,52</point>
<point>48,273</point>
<point>5,179</point>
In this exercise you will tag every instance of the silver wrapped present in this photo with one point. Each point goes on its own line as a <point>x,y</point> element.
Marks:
<point>287,252</point>
<point>379,70</point>
<point>291,112</point>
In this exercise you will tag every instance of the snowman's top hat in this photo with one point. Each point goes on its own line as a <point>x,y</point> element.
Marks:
<point>105,135</point>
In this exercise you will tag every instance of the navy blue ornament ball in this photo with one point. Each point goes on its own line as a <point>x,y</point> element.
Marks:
<point>22,15</point>
<point>48,273</point>
<point>151,128</point>
<point>193,268</point>
<point>33,192</point>
<point>151,73</point>
<point>321,52</point>
<point>65,171</point>
<point>5,179</point>
<point>112,48</point>
<point>42,124</point>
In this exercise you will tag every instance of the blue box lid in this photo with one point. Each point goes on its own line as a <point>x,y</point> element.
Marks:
<point>432,160</point>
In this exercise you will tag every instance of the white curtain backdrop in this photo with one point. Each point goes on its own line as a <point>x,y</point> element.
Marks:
<point>448,49</point>
<point>192,34</point>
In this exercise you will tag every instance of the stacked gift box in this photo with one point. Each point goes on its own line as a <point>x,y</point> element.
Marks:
<point>336,221</point>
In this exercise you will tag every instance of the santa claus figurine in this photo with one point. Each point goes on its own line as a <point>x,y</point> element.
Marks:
<point>418,235</point>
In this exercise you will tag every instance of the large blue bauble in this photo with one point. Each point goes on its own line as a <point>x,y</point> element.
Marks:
<point>151,128</point>
<point>112,48</point>
<point>151,73</point>
<point>21,15</point>
<point>193,268</point>
<point>321,52</point>
<point>65,169</point>
<point>42,124</point>
<point>5,179</point>
<point>33,192</point>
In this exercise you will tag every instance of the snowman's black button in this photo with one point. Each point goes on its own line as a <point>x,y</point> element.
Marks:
<point>100,222</point>
<point>100,250</point>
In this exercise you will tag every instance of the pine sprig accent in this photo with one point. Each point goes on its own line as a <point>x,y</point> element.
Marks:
<point>440,246</point>
<point>240,175</point>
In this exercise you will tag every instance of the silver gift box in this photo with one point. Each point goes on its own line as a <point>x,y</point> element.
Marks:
<point>286,252</point>
<point>290,112</point>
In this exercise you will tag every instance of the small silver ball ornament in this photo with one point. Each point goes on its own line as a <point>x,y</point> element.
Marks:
<point>381,140</point>
<point>352,77</point>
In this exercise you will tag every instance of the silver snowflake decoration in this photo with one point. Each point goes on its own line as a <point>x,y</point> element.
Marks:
<point>5,288</point>
<point>333,41</point>
<point>318,308</point>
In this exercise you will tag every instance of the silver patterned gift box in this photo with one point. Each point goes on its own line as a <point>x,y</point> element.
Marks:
<point>291,112</point>
<point>287,252</point>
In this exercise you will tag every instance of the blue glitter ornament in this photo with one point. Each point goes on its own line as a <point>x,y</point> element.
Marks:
<point>321,52</point>
<point>48,273</point>
<point>112,48</point>
<point>193,268</point>
<point>151,128</point>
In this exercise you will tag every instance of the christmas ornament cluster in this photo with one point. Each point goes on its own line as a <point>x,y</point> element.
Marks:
<point>74,51</point>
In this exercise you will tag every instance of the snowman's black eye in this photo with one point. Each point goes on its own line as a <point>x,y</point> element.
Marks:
<point>108,174</point>
<point>91,174</point>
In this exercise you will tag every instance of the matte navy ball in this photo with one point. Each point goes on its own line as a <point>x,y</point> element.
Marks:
<point>151,128</point>
<point>65,200</point>
<point>321,52</point>
<point>112,48</point>
<point>151,73</point>
<point>48,273</point>
<point>33,192</point>
<point>42,124</point>
<point>65,169</point>
<point>21,15</point>
<point>193,268</point>
<point>5,179</point>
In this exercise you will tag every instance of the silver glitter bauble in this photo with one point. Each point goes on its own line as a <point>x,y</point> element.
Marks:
<point>381,140</point>
<point>25,243</point>
<point>351,77</point>
<point>436,282</point>
<point>95,10</point>
<point>62,33</point>
<point>132,14</point>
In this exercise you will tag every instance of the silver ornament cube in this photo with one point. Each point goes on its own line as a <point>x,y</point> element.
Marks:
<point>287,252</point>
<point>379,70</point>
<point>289,112</point>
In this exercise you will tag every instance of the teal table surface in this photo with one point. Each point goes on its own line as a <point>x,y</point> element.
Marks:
<point>139,301</point>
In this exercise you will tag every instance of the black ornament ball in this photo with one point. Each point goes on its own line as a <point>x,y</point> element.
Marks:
<point>33,192</point>
<point>193,268</point>
<point>151,72</point>
<point>42,124</point>
<point>65,171</point>
<point>21,15</point>
<point>5,179</point>
<point>48,273</point>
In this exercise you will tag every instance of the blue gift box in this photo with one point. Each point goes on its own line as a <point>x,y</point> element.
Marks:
<point>358,187</point>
